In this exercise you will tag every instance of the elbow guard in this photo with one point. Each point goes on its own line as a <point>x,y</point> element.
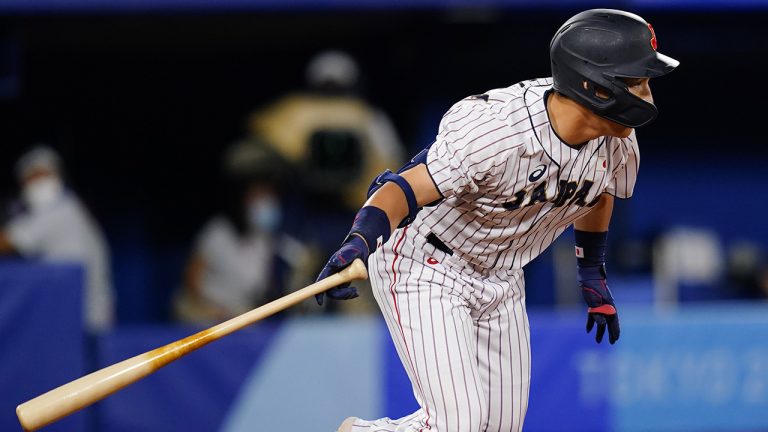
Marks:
<point>410,196</point>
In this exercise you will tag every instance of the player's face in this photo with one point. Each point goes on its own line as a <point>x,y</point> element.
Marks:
<point>639,87</point>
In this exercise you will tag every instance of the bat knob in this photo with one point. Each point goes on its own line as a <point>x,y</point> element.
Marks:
<point>355,271</point>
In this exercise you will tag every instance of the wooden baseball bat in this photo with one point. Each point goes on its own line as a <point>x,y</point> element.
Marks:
<point>84,391</point>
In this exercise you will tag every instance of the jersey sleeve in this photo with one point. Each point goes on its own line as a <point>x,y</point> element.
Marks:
<point>468,152</point>
<point>29,231</point>
<point>622,184</point>
<point>212,240</point>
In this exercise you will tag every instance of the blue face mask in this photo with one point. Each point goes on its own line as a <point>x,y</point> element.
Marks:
<point>265,214</point>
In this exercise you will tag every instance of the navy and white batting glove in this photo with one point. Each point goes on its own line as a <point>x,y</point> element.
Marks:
<point>354,247</point>
<point>602,309</point>
<point>371,224</point>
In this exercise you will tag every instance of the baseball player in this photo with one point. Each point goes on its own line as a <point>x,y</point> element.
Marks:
<point>446,238</point>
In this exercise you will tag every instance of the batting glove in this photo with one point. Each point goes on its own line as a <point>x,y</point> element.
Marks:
<point>602,309</point>
<point>354,247</point>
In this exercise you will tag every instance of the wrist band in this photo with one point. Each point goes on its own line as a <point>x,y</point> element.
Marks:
<point>371,223</point>
<point>591,247</point>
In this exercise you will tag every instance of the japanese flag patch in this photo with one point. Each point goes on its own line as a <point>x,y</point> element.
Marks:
<point>602,164</point>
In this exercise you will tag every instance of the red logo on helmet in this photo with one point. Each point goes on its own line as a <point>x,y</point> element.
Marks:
<point>654,45</point>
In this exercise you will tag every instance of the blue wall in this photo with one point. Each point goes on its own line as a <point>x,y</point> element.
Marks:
<point>697,368</point>
<point>41,341</point>
<point>722,192</point>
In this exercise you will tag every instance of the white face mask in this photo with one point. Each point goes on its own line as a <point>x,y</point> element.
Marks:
<point>265,214</point>
<point>42,192</point>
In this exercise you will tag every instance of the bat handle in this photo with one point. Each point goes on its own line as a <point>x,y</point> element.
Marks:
<point>355,271</point>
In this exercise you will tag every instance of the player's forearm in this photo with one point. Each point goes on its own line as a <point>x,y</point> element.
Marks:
<point>591,235</point>
<point>391,199</point>
<point>599,218</point>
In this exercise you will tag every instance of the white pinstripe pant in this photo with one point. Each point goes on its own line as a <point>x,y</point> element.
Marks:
<point>463,338</point>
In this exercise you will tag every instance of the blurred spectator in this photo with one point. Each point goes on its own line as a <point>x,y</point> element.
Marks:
<point>238,254</point>
<point>53,225</point>
<point>688,265</point>
<point>339,141</point>
<point>748,270</point>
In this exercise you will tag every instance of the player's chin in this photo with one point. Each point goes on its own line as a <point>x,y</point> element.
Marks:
<point>618,130</point>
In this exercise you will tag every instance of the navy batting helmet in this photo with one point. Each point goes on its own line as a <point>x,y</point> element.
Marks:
<point>594,50</point>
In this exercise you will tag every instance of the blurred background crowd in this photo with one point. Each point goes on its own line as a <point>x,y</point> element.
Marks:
<point>214,161</point>
<point>198,161</point>
<point>275,202</point>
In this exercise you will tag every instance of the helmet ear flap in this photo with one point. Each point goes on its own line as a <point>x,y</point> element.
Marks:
<point>600,96</point>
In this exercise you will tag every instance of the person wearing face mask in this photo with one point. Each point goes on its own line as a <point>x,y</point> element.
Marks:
<point>233,265</point>
<point>55,226</point>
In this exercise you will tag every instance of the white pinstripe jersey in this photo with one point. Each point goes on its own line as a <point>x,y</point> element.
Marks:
<point>511,186</point>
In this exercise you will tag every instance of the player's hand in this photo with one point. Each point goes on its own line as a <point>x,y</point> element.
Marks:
<point>353,248</point>
<point>602,309</point>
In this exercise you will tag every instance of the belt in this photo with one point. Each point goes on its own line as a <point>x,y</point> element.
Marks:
<point>438,244</point>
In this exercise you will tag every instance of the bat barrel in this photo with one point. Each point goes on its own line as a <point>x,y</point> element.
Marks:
<point>82,392</point>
